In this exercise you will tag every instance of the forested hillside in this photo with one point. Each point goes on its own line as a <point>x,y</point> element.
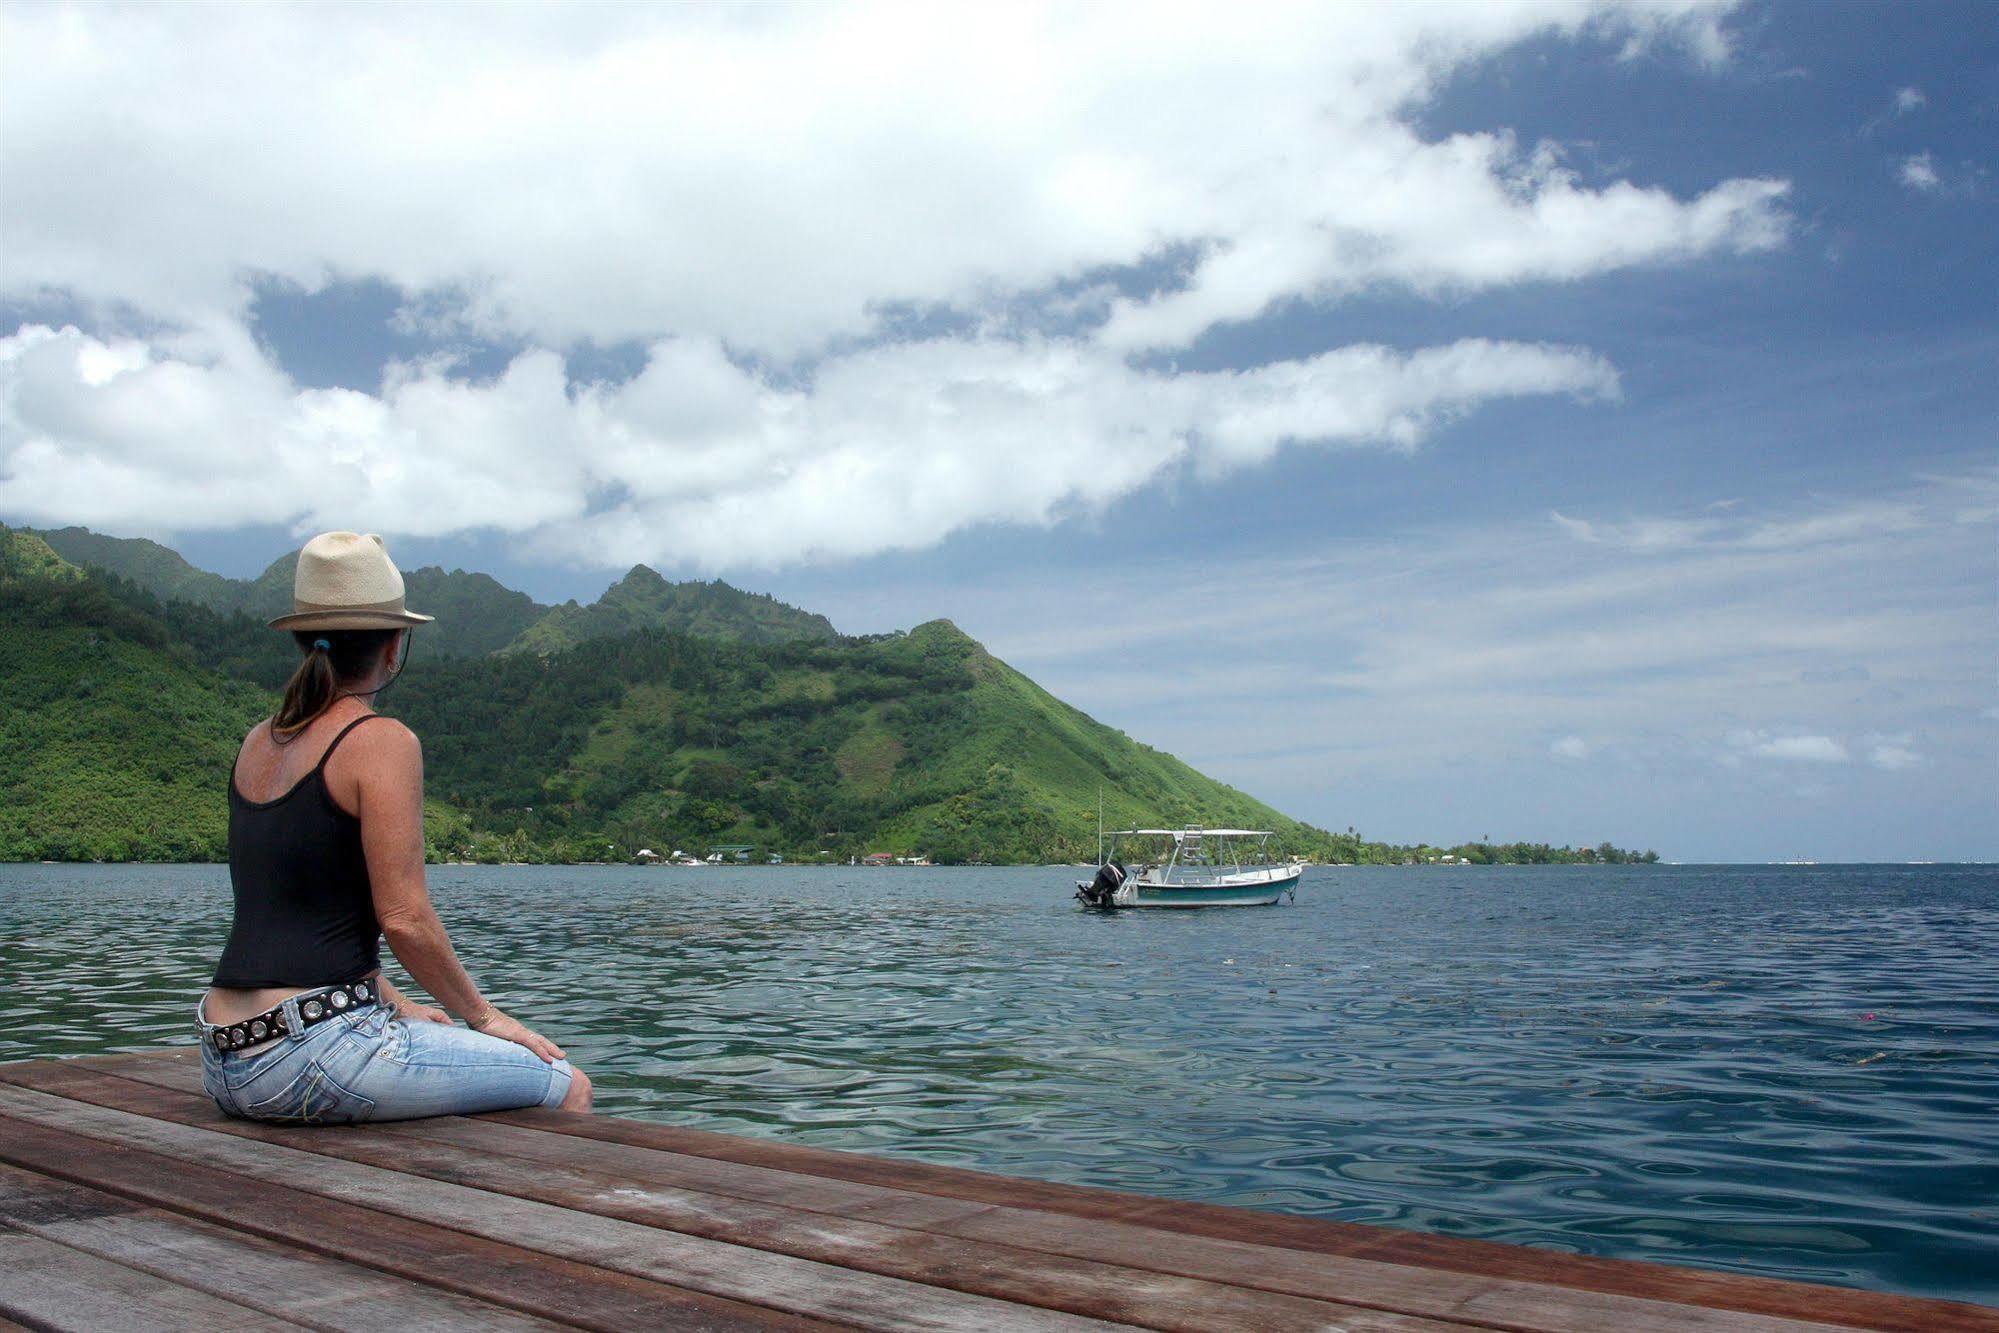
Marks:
<point>123,711</point>
<point>152,566</point>
<point>914,743</point>
<point>644,600</point>
<point>114,741</point>
<point>120,712</point>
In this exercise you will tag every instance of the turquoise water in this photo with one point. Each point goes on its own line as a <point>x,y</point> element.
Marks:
<point>1790,1071</point>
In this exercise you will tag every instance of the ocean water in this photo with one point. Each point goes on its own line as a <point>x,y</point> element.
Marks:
<point>1790,1071</point>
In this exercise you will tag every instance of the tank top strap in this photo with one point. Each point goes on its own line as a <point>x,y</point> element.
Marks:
<point>328,752</point>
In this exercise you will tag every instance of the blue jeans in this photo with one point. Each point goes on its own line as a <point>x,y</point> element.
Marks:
<point>368,1064</point>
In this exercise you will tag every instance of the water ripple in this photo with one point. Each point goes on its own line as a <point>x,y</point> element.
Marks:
<point>1791,1072</point>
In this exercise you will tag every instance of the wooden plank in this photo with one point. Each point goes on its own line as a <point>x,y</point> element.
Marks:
<point>248,1270</point>
<point>1419,1254</point>
<point>1499,1303</point>
<point>950,1190</point>
<point>755,1276</point>
<point>52,1286</point>
<point>1727,1291</point>
<point>571,1292</point>
<point>1004,1272</point>
<point>1676,1284</point>
<point>1426,1292</point>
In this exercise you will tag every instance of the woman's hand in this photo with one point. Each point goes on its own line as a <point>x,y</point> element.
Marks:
<point>496,1024</point>
<point>405,1007</point>
<point>421,1013</point>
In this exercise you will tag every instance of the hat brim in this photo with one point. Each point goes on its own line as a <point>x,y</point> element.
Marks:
<point>350,620</point>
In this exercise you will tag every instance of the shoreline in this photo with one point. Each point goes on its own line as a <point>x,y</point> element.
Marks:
<point>1075,865</point>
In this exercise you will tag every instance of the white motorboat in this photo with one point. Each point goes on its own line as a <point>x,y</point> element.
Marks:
<point>1190,867</point>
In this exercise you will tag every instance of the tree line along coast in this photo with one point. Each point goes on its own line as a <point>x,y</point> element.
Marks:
<point>661,715</point>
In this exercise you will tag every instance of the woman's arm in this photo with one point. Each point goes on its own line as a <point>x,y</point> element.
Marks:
<point>391,809</point>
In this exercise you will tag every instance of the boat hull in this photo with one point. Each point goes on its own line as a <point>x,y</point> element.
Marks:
<point>1252,893</point>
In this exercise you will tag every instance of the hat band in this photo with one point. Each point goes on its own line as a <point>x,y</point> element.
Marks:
<point>393,606</point>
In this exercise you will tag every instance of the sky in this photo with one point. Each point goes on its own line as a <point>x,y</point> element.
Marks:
<point>1552,420</point>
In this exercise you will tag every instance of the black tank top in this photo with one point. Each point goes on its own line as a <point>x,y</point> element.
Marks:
<point>305,913</point>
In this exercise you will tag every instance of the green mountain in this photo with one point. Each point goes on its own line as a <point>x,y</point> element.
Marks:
<point>907,743</point>
<point>24,554</point>
<point>115,743</point>
<point>476,614</point>
<point>152,566</point>
<point>120,714</point>
<point>644,600</point>
<point>265,597</point>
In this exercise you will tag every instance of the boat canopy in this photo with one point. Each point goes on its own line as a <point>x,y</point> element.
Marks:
<point>1187,833</point>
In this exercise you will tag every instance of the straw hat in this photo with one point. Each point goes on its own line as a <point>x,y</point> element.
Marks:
<point>347,581</point>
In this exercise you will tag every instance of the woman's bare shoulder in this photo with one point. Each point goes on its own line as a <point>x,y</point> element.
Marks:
<point>254,740</point>
<point>385,738</point>
<point>383,758</point>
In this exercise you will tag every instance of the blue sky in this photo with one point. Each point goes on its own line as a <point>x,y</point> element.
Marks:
<point>1568,422</point>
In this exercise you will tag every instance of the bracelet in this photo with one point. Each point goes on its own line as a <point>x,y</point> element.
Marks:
<point>478,1024</point>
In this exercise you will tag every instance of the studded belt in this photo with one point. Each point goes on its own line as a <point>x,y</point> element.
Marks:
<point>313,1006</point>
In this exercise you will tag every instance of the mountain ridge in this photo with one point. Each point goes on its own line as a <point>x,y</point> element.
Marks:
<point>818,747</point>
<point>645,599</point>
<point>120,713</point>
<point>476,613</point>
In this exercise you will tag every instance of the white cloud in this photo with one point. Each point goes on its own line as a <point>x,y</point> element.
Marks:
<point>1735,531</point>
<point>1800,748</point>
<point>1893,758</point>
<point>1570,747</point>
<point>695,459</point>
<point>773,176</point>
<point>1880,518</point>
<point>1473,212</point>
<point>1919,172</point>
<point>1648,534</point>
<point>1893,754</point>
<point>1906,101</point>
<point>769,187</point>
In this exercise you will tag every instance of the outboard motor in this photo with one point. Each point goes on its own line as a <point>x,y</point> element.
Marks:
<point>1100,891</point>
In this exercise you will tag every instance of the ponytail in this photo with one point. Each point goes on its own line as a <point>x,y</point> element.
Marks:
<point>331,657</point>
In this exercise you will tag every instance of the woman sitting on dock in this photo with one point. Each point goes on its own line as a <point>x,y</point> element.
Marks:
<point>325,859</point>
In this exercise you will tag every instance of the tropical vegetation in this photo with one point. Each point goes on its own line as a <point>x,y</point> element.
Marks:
<point>665,716</point>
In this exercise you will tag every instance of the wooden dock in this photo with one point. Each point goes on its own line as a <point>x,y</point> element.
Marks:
<point>128,1202</point>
